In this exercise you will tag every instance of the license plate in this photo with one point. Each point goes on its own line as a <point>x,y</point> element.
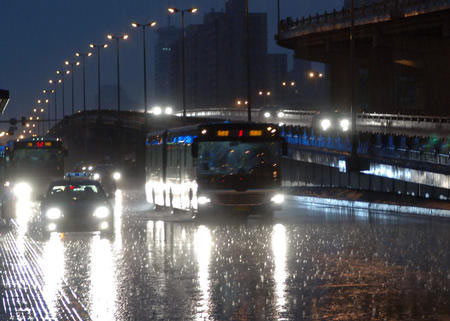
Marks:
<point>241,208</point>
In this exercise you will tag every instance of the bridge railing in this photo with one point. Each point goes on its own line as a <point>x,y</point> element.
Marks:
<point>424,149</point>
<point>305,118</point>
<point>377,11</point>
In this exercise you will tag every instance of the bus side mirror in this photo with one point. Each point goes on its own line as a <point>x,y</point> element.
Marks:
<point>194,149</point>
<point>284,148</point>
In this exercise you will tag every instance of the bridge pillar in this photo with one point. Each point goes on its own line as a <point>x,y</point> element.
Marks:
<point>340,81</point>
<point>436,72</point>
<point>381,80</point>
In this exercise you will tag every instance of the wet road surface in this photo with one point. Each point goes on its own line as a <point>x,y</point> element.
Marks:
<point>306,263</point>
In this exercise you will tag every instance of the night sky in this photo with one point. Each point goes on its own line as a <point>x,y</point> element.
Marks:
<point>36,36</point>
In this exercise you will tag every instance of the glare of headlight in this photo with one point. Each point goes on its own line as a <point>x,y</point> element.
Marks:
<point>266,114</point>
<point>22,190</point>
<point>52,227</point>
<point>157,110</point>
<point>345,124</point>
<point>280,114</point>
<point>203,200</point>
<point>83,168</point>
<point>117,176</point>
<point>168,111</point>
<point>104,225</point>
<point>278,198</point>
<point>7,183</point>
<point>101,212</point>
<point>96,176</point>
<point>53,213</point>
<point>325,124</point>
<point>90,168</point>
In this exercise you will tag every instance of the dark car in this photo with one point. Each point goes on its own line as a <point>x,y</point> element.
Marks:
<point>108,176</point>
<point>76,205</point>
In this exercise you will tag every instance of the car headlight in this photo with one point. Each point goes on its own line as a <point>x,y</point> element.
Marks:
<point>96,176</point>
<point>22,190</point>
<point>277,198</point>
<point>266,114</point>
<point>7,183</point>
<point>345,124</point>
<point>202,200</point>
<point>280,114</point>
<point>53,213</point>
<point>325,124</point>
<point>117,176</point>
<point>101,212</point>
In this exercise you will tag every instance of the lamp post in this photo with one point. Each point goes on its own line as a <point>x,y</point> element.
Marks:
<point>83,56</point>
<point>182,11</point>
<point>48,92</point>
<point>99,47</point>
<point>62,80</point>
<point>55,83</point>
<point>264,94</point>
<point>247,41</point>
<point>117,38</point>
<point>144,26</point>
<point>72,64</point>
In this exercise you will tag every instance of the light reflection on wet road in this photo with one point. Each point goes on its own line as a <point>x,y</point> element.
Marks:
<point>305,263</point>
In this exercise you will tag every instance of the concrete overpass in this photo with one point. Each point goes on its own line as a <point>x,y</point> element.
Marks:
<point>401,48</point>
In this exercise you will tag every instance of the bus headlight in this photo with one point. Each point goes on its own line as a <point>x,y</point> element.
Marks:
<point>325,124</point>
<point>53,213</point>
<point>117,176</point>
<point>202,200</point>
<point>266,114</point>
<point>277,198</point>
<point>101,212</point>
<point>96,176</point>
<point>22,190</point>
<point>345,124</point>
<point>280,114</point>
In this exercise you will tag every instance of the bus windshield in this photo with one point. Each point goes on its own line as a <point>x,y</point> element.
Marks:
<point>37,155</point>
<point>237,158</point>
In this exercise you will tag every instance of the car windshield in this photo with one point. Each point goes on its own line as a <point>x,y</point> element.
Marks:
<point>237,158</point>
<point>77,191</point>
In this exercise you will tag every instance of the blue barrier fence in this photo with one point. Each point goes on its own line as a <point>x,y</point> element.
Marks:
<point>427,149</point>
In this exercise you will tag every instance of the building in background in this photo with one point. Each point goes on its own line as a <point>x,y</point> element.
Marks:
<point>166,75</point>
<point>215,53</point>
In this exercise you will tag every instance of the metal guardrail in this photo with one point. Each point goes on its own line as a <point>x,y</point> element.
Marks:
<point>305,118</point>
<point>377,11</point>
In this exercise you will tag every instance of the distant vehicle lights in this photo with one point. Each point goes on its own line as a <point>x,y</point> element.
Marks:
<point>117,176</point>
<point>325,124</point>
<point>277,198</point>
<point>101,212</point>
<point>53,213</point>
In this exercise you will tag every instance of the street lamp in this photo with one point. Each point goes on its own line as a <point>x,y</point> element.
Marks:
<point>182,11</point>
<point>83,56</point>
<point>48,92</point>
<point>144,26</point>
<point>61,80</point>
<point>55,84</point>
<point>98,47</point>
<point>118,38</point>
<point>72,64</point>
<point>264,94</point>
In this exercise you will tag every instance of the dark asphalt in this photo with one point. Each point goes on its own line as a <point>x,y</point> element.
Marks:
<point>307,263</point>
